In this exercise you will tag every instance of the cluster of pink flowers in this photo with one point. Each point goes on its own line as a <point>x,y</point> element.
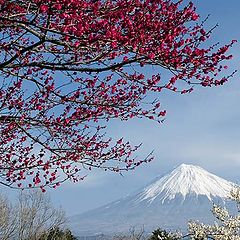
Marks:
<point>69,66</point>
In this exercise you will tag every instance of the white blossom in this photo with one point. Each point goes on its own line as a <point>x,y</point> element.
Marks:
<point>226,228</point>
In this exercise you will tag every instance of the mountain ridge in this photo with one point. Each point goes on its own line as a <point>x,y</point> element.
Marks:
<point>185,179</point>
<point>170,201</point>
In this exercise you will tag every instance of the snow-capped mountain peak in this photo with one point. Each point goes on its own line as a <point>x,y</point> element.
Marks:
<point>184,180</point>
<point>169,202</point>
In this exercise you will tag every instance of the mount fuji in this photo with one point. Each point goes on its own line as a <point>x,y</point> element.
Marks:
<point>168,202</point>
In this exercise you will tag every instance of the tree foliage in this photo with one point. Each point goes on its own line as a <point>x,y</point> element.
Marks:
<point>161,234</point>
<point>57,234</point>
<point>68,67</point>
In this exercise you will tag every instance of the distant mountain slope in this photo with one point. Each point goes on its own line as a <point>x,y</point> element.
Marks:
<point>185,193</point>
<point>184,180</point>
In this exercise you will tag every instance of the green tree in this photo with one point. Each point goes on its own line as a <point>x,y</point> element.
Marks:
<point>58,234</point>
<point>161,234</point>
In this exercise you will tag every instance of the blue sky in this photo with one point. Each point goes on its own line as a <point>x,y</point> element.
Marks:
<point>201,128</point>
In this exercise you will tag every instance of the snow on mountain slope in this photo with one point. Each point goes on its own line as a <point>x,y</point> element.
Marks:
<point>169,202</point>
<point>187,179</point>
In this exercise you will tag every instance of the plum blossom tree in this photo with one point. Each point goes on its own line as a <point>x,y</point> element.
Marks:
<point>227,226</point>
<point>69,66</point>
